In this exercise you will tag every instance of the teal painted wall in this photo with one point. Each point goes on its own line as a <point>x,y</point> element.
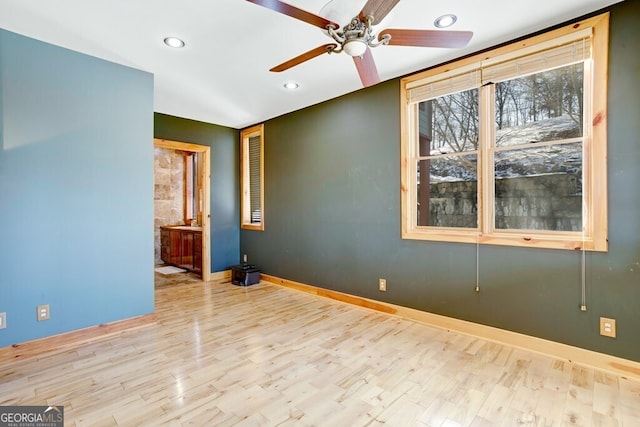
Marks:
<point>332,212</point>
<point>76,189</point>
<point>225,175</point>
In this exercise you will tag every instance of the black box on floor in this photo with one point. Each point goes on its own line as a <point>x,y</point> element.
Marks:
<point>245,274</point>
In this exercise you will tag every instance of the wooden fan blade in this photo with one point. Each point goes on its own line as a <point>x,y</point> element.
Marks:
<point>367,68</point>
<point>296,13</point>
<point>428,38</point>
<point>378,9</point>
<point>325,48</point>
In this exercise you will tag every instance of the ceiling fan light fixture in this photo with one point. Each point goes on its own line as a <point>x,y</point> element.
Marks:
<point>355,47</point>
<point>174,42</point>
<point>445,21</point>
<point>359,34</point>
<point>291,85</point>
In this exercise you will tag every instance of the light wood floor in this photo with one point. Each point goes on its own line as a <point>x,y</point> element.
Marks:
<point>264,355</point>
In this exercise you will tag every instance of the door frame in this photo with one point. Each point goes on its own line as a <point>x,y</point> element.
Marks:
<point>206,196</point>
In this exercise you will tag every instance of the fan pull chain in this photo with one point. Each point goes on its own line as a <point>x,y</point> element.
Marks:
<point>477,263</point>
<point>583,270</point>
<point>583,305</point>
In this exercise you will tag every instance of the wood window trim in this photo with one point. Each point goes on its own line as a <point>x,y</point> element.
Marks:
<point>595,236</point>
<point>245,208</point>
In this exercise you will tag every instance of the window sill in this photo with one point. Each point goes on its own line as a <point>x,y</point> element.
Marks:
<point>531,240</point>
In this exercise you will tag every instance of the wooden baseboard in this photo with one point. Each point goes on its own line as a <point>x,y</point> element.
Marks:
<point>60,341</point>
<point>605,362</point>
<point>220,275</point>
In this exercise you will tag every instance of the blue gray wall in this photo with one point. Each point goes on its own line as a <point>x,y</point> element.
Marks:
<point>76,189</point>
<point>225,187</point>
<point>332,209</point>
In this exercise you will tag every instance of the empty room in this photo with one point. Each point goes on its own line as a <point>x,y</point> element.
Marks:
<point>320,213</point>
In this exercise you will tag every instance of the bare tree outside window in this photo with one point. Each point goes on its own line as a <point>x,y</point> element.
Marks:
<point>537,188</point>
<point>449,130</point>
<point>538,159</point>
<point>509,146</point>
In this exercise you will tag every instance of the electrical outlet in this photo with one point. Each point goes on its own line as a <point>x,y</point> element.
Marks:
<point>43,312</point>
<point>382,285</point>
<point>244,258</point>
<point>608,327</point>
<point>3,320</point>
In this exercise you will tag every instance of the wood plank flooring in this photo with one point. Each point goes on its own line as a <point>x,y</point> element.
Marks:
<point>264,355</point>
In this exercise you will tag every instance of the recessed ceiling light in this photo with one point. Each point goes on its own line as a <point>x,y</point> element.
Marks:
<point>174,42</point>
<point>445,21</point>
<point>291,85</point>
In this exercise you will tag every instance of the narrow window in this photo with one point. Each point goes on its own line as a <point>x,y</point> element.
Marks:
<point>190,192</point>
<point>252,167</point>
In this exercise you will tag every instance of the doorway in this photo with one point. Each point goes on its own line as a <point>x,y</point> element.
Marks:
<point>202,193</point>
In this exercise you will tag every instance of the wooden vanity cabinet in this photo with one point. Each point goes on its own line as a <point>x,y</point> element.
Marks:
<point>197,252</point>
<point>175,250</point>
<point>181,247</point>
<point>186,250</point>
<point>165,245</point>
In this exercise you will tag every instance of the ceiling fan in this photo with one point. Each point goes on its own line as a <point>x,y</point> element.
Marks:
<point>358,36</point>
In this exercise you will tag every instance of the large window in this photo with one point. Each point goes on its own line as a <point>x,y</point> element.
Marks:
<point>252,169</point>
<point>509,147</point>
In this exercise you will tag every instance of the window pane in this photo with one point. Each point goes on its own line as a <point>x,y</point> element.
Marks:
<point>449,123</point>
<point>539,188</point>
<point>448,186</point>
<point>545,106</point>
<point>191,181</point>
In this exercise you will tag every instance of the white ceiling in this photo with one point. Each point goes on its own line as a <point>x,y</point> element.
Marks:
<point>222,76</point>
